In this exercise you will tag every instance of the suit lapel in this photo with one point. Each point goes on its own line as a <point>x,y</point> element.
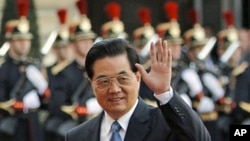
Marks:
<point>94,130</point>
<point>139,123</point>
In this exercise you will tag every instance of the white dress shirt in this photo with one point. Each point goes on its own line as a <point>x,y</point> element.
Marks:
<point>124,120</point>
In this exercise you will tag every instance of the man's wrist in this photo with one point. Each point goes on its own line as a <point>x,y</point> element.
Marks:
<point>164,97</point>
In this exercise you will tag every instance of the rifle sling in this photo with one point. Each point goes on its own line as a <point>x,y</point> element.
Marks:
<point>80,88</point>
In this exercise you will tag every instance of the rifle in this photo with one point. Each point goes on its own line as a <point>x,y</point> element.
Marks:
<point>70,110</point>
<point>74,110</point>
<point>49,42</point>
<point>7,105</point>
<point>4,49</point>
<point>8,124</point>
<point>228,53</point>
<point>146,49</point>
<point>207,48</point>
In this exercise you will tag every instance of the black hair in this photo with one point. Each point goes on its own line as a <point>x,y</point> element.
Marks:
<point>110,48</point>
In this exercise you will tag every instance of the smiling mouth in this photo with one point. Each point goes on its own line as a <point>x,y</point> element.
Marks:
<point>115,99</point>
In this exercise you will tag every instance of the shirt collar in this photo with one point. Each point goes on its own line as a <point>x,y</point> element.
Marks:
<point>123,121</point>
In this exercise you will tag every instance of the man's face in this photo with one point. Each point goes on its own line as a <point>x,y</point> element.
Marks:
<point>193,53</point>
<point>20,47</point>
<point>176,51</point>
<point>83,46</point>
<point>117,96</point>
<point>63,53</point>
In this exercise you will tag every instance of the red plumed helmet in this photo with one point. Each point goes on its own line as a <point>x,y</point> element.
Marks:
<point>113,10</point>
<point>82,6</point>
<point>62,15</point>
<point>19,28</point>
<point>192,13</point>
<point>144,15</point>
<point>229,19</point>
<point>115,27</point>
<point>23,6</point>
<point>171,9</point>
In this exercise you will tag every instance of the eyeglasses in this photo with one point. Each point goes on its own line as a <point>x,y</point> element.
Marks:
<point>105,82</point>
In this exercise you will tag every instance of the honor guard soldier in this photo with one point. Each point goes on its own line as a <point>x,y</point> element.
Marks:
<point>58,83</point>
<point>171,32</point>
<point>229,54</point>
<point>142,37</point>
<point>196,41</point>
<point>115,27</point>
<point>22,84</point>
<point>235,57</point>
<point>83,104</point>
<point>242,91</point>
<point>241,113</point>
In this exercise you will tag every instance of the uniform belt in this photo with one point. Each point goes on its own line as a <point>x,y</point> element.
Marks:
<point>210,116</point>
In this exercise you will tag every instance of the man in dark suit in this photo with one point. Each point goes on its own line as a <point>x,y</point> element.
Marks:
<point>115,73</point>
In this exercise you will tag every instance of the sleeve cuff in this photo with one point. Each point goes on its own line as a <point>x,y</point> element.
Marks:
<point>165,97</point>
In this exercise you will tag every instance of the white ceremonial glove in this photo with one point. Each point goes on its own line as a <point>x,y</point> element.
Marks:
<point>31,100</point>
<point>36,78</point>
<point>93,106</point>
<point>193,81</point>
<point>187,99</point>
<point>213,85</point>
<point>206,105</point>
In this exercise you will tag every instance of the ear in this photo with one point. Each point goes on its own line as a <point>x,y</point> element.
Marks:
<point>92,86</point>
<point>138,76</point>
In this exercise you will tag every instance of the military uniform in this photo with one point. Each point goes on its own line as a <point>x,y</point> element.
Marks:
<point>171,32</point>
<point>58,83</point>
<point>20,92</point>
<point>241,113</point>
<point>141,37</point>
<point>228,41</point>
<point>196,40</point>
<point>15,123</point>
<point>74,103</point>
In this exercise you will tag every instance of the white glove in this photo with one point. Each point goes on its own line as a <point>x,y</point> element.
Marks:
<point>213,85</point>
<point>36,78</point>
<point>206,105</point>
<point>93,106</point>
<point>193,81</point>
<point>31,100</point>
<point>186,98</point>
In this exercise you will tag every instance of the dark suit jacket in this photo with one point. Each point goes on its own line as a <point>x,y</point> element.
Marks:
<point>171,122</point>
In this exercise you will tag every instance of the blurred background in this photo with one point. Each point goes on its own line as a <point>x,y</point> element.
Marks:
<point>43,14</point>
<point>226,26</point>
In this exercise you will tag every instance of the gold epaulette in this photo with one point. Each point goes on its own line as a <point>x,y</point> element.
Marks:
<point>59,67</point>
<point>209,116</point>
<point>240,69</point>
<point>70,110</point>
<point>245,106</point>
<point>151,102</point>
<point>7,106</point>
